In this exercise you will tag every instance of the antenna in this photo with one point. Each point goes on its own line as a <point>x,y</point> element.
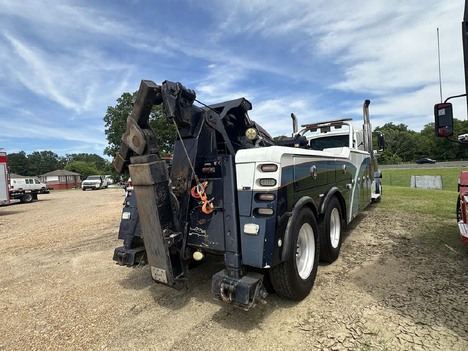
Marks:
<point>465,46</point>
<point>438,55</point>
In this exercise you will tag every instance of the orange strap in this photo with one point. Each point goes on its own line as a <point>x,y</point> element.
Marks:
<point>208,204</point>
<point>198,192</point>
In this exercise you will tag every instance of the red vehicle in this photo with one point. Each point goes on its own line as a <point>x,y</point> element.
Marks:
<point>462,206</point>
<point>4,192</point>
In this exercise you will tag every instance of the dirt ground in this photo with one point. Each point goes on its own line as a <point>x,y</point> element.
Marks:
<point>60,289</point>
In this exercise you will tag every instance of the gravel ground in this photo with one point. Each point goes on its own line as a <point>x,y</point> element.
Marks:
<point>391,289</point>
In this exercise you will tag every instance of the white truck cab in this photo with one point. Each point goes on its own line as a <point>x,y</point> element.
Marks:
<point>94,182</point>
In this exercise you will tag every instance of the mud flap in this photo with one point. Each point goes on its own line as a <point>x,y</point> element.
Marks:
<point>159,227</point>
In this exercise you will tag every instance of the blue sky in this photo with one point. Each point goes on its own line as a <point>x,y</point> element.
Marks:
<point>62,63</point>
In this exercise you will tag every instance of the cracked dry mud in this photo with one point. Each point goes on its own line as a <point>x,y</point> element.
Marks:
<point>391,289</point>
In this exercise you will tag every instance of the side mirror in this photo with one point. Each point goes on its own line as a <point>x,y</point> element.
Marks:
<point>443,117</point>
<point>381,142</point>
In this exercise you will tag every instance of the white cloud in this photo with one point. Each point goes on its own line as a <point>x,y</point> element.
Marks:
<point>274,115</point>
<point>31,129</point>
<point>51,17</point>
<point>382,62</point>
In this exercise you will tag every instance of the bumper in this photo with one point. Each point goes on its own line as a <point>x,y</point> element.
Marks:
<point>90,186</point>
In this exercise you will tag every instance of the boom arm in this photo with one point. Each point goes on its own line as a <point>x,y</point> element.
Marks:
<point>139,138</point>
<point>157,204</point>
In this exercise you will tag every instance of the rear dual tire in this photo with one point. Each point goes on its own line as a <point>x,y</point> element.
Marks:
<point>330,232</point>
<point>294,278</point>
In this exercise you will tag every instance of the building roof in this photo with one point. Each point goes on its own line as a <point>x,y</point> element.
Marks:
<point>14,175</point>
<point>59,172</point>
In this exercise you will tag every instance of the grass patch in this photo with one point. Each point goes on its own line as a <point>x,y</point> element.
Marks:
<point>402,177</point>
<point>434,210</point>
<point>439,204</point>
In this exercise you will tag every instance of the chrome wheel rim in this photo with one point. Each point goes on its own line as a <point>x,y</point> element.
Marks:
<point>335,228</point>
<point>305,251</point>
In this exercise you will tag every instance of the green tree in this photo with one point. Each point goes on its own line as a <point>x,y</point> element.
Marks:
<point>40,162</point>
<point>164,129</point>
<point>99,163</point>
<point>386,157</point>
<point>400,143</point>
<point>440,148</point>
<point>84,168</point>
<point>18,163</point>
<point>116,122</point>
<point>461,127</point>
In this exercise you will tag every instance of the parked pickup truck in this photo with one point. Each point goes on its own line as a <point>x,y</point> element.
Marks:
<point>94,182</point>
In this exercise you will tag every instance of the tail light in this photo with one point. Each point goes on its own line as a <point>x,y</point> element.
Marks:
<point>263,212</point>
<point>265,197</point>
<point>267,182</point>
<point>269,167</point>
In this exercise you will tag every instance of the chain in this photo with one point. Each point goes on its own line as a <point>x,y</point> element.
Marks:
<point>198,191</point>
<point>186,152</point>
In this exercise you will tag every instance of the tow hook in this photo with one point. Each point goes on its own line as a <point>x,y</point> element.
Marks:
<point>226,291</point>
<point>122,258</point>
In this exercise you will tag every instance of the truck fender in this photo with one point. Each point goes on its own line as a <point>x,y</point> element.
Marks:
<point>334,190</point>
<point>288,239</point>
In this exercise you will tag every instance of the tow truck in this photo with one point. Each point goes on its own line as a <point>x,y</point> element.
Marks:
<point>269,209</point>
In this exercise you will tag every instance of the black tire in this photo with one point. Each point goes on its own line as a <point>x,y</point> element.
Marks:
<point>27,198</point>
<point>267,282</point>
<point>380,191</point>
<point>294,278</point>
<point>459,213</point>
<point>330,226</point>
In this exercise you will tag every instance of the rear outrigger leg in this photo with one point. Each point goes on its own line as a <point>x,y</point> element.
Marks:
<point>159,225</point>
